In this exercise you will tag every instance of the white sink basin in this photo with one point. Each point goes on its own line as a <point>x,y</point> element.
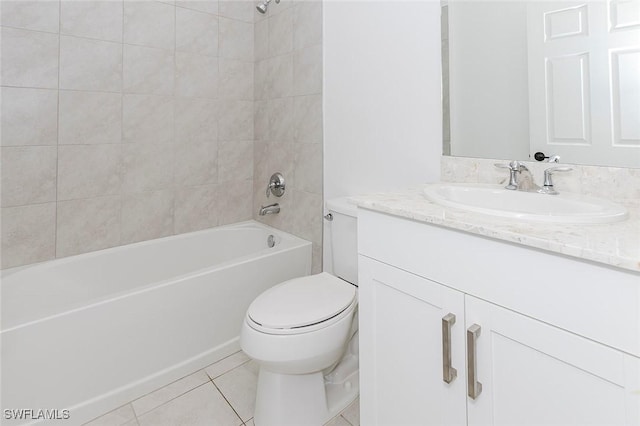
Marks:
<point>497,201</point>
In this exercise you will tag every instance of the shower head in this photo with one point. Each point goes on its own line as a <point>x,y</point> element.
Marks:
<point>262,7</point>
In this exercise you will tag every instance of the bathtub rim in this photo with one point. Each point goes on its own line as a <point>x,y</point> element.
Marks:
<point>7,272</point>
<point>295,243</point>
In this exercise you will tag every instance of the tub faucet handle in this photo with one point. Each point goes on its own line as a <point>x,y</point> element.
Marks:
<point>276,185</point>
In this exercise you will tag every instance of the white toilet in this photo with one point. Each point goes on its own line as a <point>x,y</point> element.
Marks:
<point>303,335</point>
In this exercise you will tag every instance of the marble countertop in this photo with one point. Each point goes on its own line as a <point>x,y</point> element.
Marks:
<point>614,244</point>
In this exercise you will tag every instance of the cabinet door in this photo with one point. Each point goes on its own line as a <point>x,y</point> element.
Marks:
<point>401,349</point>
<point>536,374</point>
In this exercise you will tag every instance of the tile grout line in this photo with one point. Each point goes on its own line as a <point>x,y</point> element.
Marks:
<point>141,93</point>
<point>123,43</point>
<point>227,401</point>
<point>122,162</point>
<point>93,197</point>
<point>165,386</point>
<point>227,371</point>
<point>135,416</point>
<point>174,142</point>
<point>187,391</point>
<point>166,402</point>
<point>218,107</point>
<point>111,411</point>
<point>55,224</point>
<point>344,418</point>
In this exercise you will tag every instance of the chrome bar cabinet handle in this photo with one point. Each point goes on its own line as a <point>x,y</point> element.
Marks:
<point>448,372</point>
<point>474,387</point>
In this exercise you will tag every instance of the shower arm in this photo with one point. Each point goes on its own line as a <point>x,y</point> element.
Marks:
<point>262,7</point>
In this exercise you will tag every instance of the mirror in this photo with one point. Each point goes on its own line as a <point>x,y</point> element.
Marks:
<point>558,78</point>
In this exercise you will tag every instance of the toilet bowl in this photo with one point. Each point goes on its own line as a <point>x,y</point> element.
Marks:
<point>297,332</point>
<point>303,335</point>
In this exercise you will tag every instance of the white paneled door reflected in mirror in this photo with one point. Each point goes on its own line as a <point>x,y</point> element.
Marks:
<point>561,78</point>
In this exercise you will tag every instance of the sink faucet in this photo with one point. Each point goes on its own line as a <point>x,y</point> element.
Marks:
<point>520,178</point>
<point>270,209</point>
<point>547,186</point>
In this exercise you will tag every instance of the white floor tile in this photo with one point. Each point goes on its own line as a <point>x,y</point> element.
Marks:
<point>352,412</point>
<point>338,421</point>
<point>239,388</point>
<point>194,400</point>
<point>167,393</point>
<point>203,405</point>
<point>116,417</point>
<point>226,364</point>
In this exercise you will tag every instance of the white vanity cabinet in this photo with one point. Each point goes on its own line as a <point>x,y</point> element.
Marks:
<point>401,320</point>
<point>536,374</point>
<point>556,340</point>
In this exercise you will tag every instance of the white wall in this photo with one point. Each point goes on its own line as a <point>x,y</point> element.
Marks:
<point>488,79</point>
<point>382,97</point>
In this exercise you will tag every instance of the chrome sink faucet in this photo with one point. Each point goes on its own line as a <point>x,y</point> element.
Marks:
<point>547,186</point>
<point>520,178</point>
<point>513,167</point>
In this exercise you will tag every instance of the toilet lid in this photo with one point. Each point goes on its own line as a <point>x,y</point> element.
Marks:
<point>302,301</point>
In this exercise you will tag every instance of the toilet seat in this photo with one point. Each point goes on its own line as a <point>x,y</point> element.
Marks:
<point>302,305</point>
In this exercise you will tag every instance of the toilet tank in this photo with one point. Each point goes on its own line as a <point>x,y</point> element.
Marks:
<point>344,238</point>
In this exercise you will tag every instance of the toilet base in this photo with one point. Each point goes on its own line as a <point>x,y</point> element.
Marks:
<point>290,399</point>
<point>301,400</point>
<point>307,399</point>
<point>342,386</point>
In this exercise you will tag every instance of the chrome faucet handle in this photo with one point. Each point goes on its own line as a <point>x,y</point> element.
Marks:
<point>276,185</point>
<point>547,186</point>
<point>559,169</point>
<point>514,167</point>
<point>551,170</point>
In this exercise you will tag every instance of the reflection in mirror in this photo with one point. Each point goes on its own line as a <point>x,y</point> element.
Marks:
<point>560,78</point>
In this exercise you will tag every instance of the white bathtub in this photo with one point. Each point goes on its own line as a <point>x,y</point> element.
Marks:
<point>89,333</point>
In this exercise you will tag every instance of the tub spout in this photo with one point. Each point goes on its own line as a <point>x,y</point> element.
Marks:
<point>270,209</point>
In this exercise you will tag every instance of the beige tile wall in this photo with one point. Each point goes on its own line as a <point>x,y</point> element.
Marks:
<point>288,117</point>
<point>126,121</point>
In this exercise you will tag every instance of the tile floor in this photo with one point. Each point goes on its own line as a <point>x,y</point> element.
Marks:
<point>222,394</point>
